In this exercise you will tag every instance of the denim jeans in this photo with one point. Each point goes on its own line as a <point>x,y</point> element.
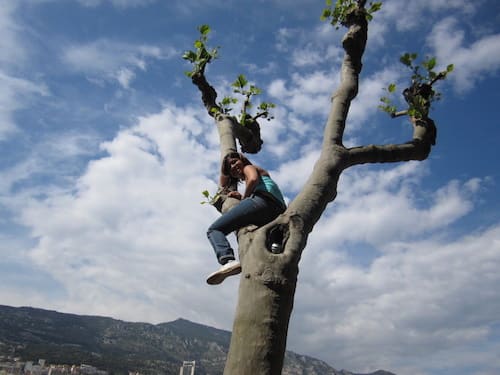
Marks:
<point>254,210</point>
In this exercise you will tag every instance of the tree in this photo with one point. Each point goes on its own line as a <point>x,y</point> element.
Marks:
<point>268,280</point>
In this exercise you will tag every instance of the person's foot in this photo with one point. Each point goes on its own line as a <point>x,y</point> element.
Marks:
<point>232,267</point>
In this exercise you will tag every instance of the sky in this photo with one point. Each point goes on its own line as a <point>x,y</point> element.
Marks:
<point>106,148</point>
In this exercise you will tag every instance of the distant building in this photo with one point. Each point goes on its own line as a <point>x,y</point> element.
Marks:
<point>187,368</point>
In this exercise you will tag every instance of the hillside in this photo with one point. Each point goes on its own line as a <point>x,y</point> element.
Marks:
<point>120,347</point>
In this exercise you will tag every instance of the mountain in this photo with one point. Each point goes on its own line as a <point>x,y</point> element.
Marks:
<point>120,347</point>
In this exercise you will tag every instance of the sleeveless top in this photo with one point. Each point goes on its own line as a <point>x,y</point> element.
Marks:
<point>267,186</point>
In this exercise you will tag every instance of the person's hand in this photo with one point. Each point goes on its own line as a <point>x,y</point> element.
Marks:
<point>234,194</point>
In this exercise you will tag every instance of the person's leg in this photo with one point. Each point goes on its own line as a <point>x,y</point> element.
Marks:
<point>253,210</point>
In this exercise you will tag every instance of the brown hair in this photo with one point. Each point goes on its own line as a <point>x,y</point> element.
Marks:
<point>226,167</point>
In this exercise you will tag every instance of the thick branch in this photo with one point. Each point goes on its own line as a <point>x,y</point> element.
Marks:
<point>208,93</point>
<point>354,43</point>
<point>424,136</point>
<point>321,188</point>
<point>414,150</point>
<point>248,136</point>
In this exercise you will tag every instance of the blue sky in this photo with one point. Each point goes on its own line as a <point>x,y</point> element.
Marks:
<point>105,149</point>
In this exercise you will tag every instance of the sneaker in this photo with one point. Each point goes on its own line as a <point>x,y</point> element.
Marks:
<point>230,268</point>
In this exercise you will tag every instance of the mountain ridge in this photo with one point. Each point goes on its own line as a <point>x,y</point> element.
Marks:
<point>120,347</point>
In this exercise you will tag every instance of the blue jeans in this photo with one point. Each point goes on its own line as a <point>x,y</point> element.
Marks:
<point>254,210</point>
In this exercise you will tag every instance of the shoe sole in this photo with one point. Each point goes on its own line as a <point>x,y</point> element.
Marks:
<point>219,276</point>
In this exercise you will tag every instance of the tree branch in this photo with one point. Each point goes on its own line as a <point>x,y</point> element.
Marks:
<point>414,150</point>
<point>248,136</point>
<point>321,187</point>
<point>424,136</point>
<point>354,43</point>
<point>208,93</point>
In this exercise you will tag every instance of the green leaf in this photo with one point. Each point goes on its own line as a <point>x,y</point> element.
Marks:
<point>374,7</point>
<point>241,81</point>
<point>391,88</point>
<point>205,193</point>
<point>204,29</point>
<point>189,55</point>
<point>432,63</point>
<point>450,68</point>
<point>406,59</point>
<point>326,14</point>
<point>254,90</point>
<point>429,64</point>
<point>198,44</point>
<point>226,100</point>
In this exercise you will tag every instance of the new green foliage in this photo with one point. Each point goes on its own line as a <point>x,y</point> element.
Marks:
<point>209,198</point>
<point>420,94</point>
<point>203,55</point>
<point>343,10</point>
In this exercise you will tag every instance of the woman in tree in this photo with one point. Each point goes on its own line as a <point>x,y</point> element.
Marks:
<point>261,202</point>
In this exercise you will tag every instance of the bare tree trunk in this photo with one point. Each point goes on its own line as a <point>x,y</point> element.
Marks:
<point>266,294</point>
<point>268,281</point>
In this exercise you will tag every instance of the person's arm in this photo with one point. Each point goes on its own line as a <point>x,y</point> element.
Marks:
<point>251,180</point>
<point>224,181</point>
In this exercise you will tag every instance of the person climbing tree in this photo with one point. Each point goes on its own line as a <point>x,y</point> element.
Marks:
<point>261,202</point>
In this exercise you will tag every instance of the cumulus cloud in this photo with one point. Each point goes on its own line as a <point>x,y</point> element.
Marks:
<point>306,94</point>
<point>371,89</point>
<point>380,206</point>
<point>130,229</point>
<point>423,297</point>
<point>472,62</point>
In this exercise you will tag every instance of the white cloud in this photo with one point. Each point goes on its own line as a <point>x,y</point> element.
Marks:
<point>293,174</point>
<point>11,47</point>
<point>119,241</point>
<point>110,61</point>
<point>431,299</point>
<point>409,15</point>
<point>306,94</point>
<point>117,3</point>
<point>15,93</point>
<point>473,62</point>
<point>55,157</point>
<point>310,54</point>
<point>379,206</point>
<point>371,89</point>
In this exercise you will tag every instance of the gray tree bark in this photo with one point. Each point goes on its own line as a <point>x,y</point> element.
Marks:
<point>268,280</point>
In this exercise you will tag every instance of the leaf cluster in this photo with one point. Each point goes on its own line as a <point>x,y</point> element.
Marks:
<point>420,94</point>
<point>201,55</point>
<point>209,198</point>
<point>341,13</point>
<point>242,87</point>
